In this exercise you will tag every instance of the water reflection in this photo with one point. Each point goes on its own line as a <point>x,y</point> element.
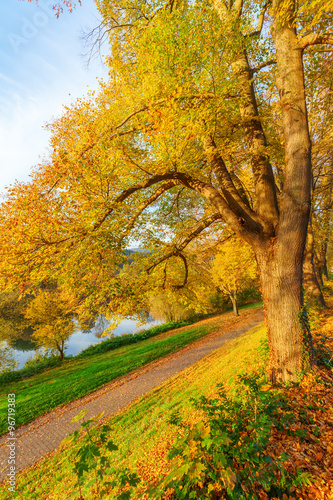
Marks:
<point>24,348</point>
<point>23,345</point>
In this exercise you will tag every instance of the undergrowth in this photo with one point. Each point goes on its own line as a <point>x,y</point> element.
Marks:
<point>224,454</point>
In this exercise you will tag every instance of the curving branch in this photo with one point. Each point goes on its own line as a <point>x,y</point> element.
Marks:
<point>94,39</point>
<point>243,221</point>
<point>263,65</point>
<point>204,95</point>
<point>261,19</point>
<point>165,187</point>
<point>115,130</point>
<point>178,287</point>
<point>178,249</point>
<point>175,202</point>
<point>315,39</point>
<point>155,179</point>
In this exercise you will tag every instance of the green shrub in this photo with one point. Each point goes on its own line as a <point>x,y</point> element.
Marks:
<point>37,358</point>
<point>115,342</point>
<point>28,371</point>
<point>225,455</point>
<point>93,457</point>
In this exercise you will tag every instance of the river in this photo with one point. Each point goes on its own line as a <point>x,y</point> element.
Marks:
<point>79,340</point>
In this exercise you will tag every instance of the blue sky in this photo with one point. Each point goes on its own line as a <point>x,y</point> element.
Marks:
<point>41,63</point>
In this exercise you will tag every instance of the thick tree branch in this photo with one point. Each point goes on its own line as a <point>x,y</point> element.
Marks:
<point>137,187</point>
<point>229,191</point>
<point>240,188</point>
<point>260,21</point>
<point>238,7</point>
<point>315,39</point>
<point>266,199</point>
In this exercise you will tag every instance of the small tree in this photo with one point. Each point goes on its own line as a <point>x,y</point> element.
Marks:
<point>51,315</point>
<point>234,269</point>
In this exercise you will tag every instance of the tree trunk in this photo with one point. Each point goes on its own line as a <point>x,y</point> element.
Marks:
<point>280,257</point>
<point>60,348</point>
<point>288,334</point>
<point>310,281</point>
<point>279,241</point>
<point>233,297</point>
<point>320,263</point>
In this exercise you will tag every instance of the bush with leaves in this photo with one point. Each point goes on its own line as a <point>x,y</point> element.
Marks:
<point>92,456</point>
<point>29,371</point>
<point>225,455</point>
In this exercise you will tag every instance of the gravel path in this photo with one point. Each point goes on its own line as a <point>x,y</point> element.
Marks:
<point>44,434</point>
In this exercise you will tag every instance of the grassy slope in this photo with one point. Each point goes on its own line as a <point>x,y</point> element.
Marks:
<point>75,378</point>
<point>145,422</point>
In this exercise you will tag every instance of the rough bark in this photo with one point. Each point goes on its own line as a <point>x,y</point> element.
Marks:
<point>266,200</point>
<point>280,264</point>
<point>288,337</point>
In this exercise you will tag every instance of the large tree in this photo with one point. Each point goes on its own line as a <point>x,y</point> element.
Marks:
<point>203,122</point>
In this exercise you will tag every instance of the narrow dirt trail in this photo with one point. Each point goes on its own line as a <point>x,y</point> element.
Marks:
<point>44,434</point>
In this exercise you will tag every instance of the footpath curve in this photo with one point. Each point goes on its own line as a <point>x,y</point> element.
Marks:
<point>44,434</point>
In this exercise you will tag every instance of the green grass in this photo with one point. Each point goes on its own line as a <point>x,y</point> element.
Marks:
<point>142,425</point>
<point>76,378</point>
<point>104,346</point>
